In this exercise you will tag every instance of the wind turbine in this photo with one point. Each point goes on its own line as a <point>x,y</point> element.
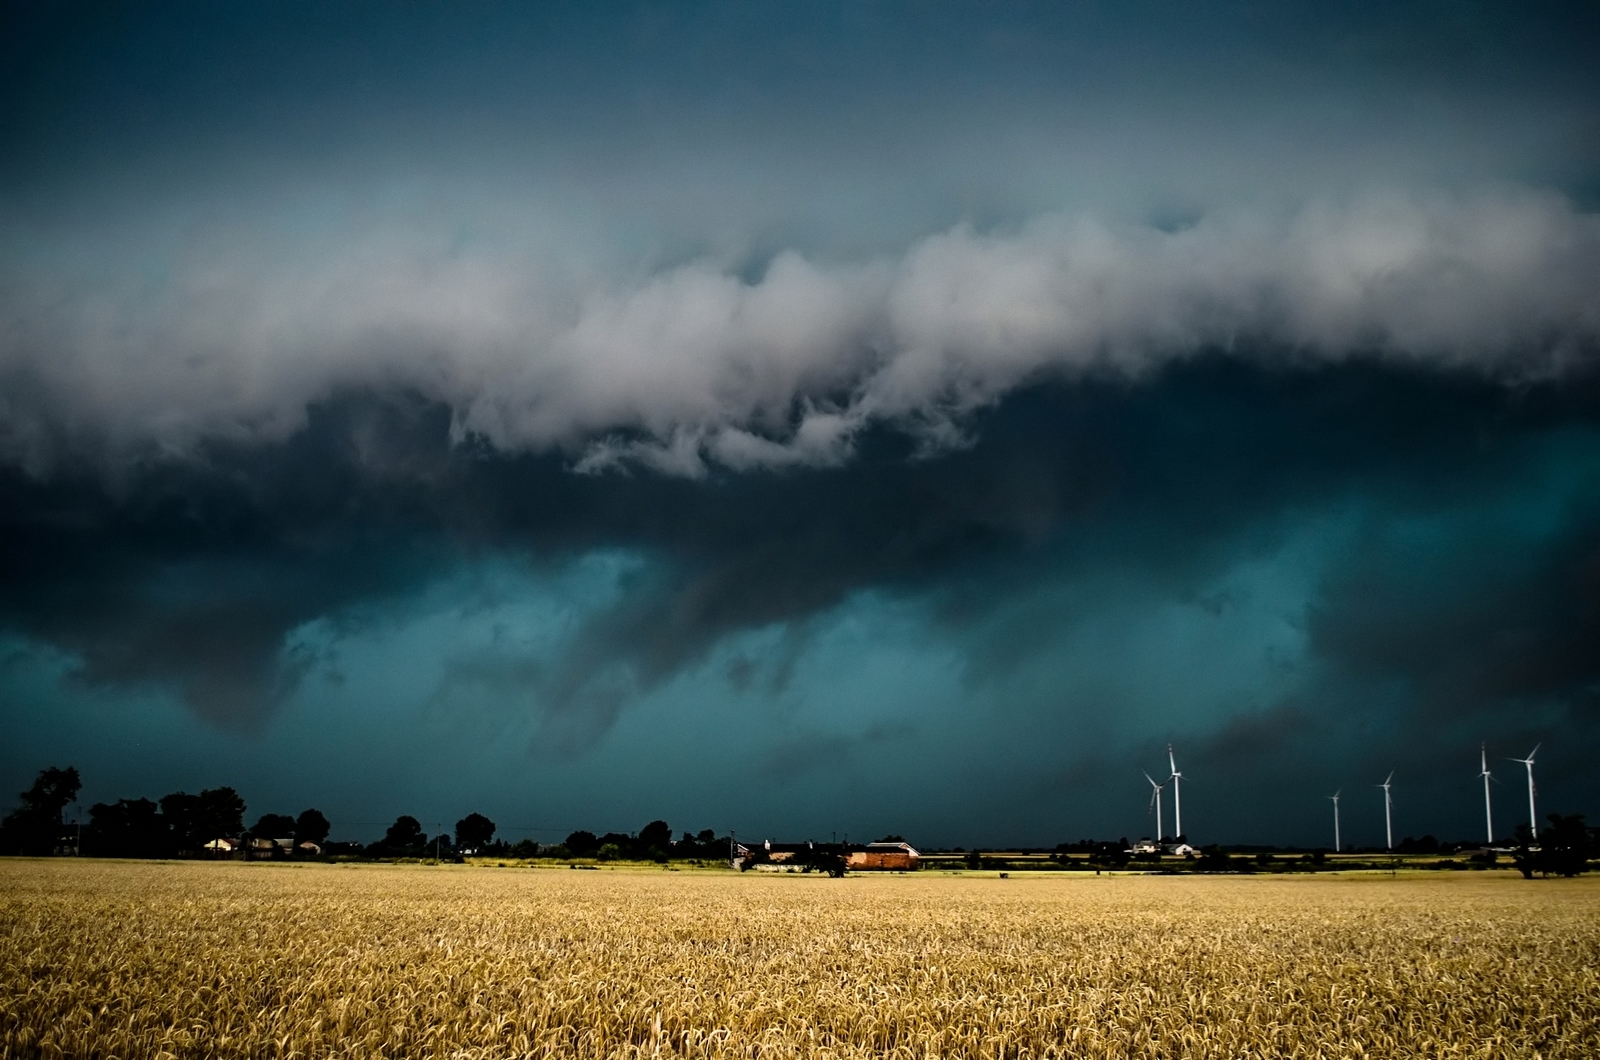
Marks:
<point>1177,796</point>
<point>1155,800</point>
<point>1488,812</point>
<point>1388,806</point>
<point>1533,818</point>
<point>1335,798</point>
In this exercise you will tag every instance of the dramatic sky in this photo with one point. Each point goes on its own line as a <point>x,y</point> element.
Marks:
<point>838,417</point>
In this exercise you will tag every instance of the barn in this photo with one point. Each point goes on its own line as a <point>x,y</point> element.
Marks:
<point>884,857</point>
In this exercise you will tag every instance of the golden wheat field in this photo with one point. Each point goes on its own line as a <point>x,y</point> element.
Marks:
<point>101,959</point>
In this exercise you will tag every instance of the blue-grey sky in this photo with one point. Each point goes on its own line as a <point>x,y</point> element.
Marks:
<point>857,418</point>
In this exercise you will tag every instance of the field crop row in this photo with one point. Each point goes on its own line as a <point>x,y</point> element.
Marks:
<point>101,959</point>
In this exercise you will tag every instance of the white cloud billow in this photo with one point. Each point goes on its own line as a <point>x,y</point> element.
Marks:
<point>694,364</point>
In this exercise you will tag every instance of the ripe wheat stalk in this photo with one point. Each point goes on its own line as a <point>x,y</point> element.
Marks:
<point>102,959</point>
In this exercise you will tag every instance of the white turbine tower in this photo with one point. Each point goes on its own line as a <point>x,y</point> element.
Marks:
<point>1335,798</point>
<point>1488,811</point>
<point>1388,807</point>
<point>1155,800</point>
<point>1177,796</point>
<point>1533,818</point>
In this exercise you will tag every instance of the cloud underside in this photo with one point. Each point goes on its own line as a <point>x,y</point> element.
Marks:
<point>202,454</point>
<point>237,335</point>
<point>1464,582</point>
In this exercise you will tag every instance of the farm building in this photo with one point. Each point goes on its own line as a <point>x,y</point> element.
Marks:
<point>885,857</point>
<point>771,856</point>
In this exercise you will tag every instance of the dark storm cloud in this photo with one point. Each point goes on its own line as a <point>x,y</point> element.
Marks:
<point>305,312</point>
<point>1479,615</point>
<point>563,224</point>
<point>692,366</point>
<point>194,574</point>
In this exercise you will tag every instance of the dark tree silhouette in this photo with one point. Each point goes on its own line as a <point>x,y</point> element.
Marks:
<point>405,837</point>
<point>474,832</point>
<point>35,826</point>
<point>1567,845</point>
<point>311,827</point>
<point>1564,849</point>
<point>655,840</point>
<point>195,820</point>
<point>274,826</point>
<point>582,844</point>
<point>127,828</point>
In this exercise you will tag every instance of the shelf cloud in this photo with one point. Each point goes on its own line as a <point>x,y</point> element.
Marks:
<point>696,364</point>
<point>864,416</point>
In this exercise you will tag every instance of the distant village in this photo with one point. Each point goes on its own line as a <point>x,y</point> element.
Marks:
<point>211,824</point>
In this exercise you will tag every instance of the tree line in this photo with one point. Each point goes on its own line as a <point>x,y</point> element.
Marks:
<point>181,825</point>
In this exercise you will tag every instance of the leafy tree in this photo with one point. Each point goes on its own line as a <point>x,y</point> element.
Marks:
<point>702,844</point>
<point>274,826</point>
<point>221,812</point>
<point>195,820</point>
<point>404,837</point>
<point>582,844</point>
<point>1426,845</point>
<point>51,791</point>
<point>311,827</point>
<point>1566,845</point>
<point>35,826</point>
<point>621,840</point>
<point>1526,859</point>
<point>1564,849</point>
<point>474,832</point>
<point>127,828</point>
<point>655,837</point>
<point>181,812</point>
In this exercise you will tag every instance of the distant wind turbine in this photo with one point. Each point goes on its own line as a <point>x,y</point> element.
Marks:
<point>1533,818</point>
<point>1335,798</point>
<point>1155,800</point>
<point>1488,811</point>
<point>1177,795</point>
<point>1388,810</point>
